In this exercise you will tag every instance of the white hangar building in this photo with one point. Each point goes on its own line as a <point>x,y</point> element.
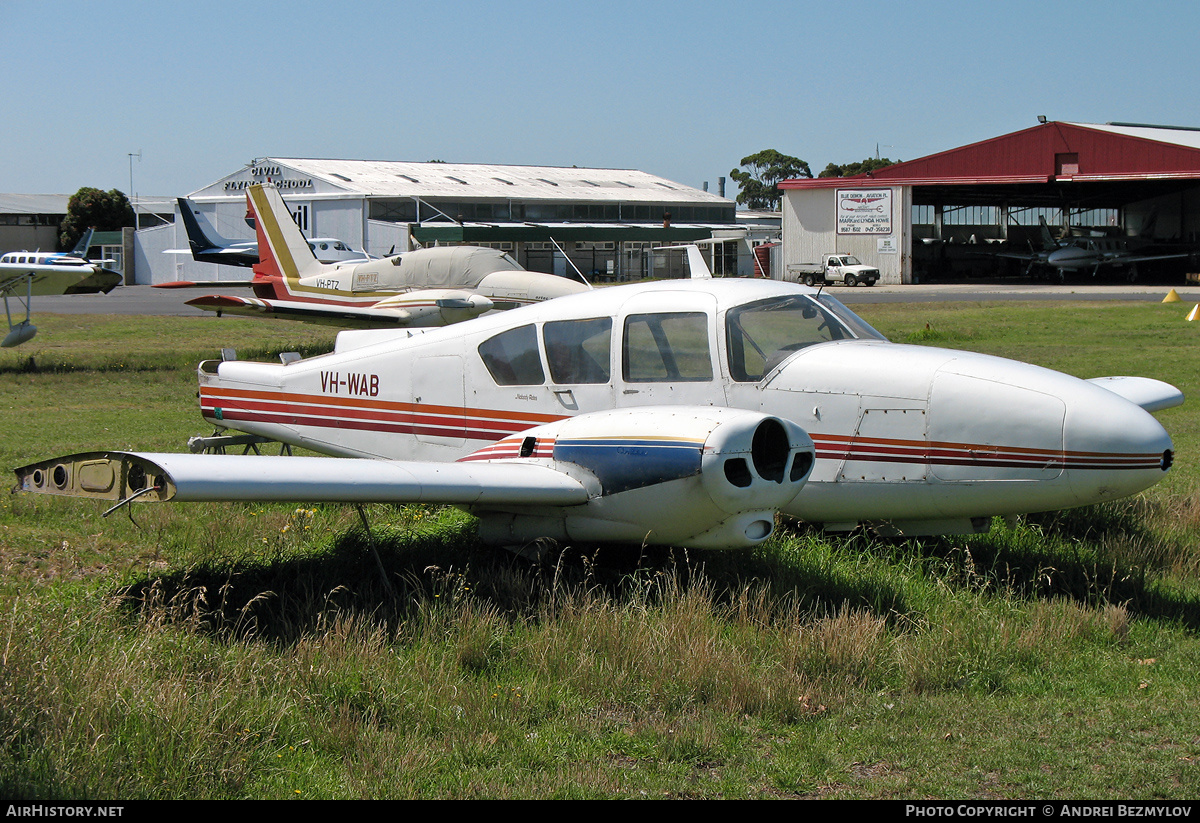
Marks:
<point>606,220</point>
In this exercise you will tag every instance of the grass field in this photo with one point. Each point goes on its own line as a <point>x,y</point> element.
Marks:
<point>246,650</point>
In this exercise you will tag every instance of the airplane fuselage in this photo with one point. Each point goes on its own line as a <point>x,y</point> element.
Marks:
<point>1088,253</point>
<point>427,287</point>
<point>927,440</point>
<point>38,258</point>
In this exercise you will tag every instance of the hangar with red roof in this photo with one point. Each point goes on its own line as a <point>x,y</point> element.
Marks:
<point>983,209</point>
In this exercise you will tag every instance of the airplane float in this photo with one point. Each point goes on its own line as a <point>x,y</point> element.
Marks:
<point>24,274</point>
<point>426,287</point>
<point>682,412</point>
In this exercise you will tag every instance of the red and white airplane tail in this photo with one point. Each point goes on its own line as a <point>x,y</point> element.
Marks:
<point>282,250</point>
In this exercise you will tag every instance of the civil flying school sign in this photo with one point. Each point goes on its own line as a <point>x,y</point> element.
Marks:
<point>864,211</point>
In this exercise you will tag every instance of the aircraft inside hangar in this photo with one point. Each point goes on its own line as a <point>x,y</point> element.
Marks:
<point>1059,201</point>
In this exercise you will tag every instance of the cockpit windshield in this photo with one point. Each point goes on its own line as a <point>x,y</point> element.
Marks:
<point>760,335</point>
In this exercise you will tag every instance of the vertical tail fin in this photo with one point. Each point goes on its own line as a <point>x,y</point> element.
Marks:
<point>282,249</point>
<point>1048,241</point>
<point>199,239</point>
<point>81,248</point>
<point>696,264</point>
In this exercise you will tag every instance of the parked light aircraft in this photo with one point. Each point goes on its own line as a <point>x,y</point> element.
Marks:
<point>24,274</point>
<point>1039,257</point>
<point>75,257</point>
<point>205,245</point>
<point>683,412</point>
<point>1086,253</point>
<point>426,287</point>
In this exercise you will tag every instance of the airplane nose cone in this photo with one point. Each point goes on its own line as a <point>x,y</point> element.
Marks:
<point>1029,423</point>
<point>1069,256</point>
<point>1113,448</point>
<point>561,287</point>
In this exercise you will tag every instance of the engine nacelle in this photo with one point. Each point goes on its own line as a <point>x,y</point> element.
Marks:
<point>699,477</point>
<point>436,306</point>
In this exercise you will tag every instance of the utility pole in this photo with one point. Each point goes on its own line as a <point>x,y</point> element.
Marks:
<point>136,218</point>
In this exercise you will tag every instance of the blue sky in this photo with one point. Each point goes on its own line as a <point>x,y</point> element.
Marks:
<point>682,90</point>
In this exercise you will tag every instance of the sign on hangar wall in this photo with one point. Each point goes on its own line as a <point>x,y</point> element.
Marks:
<point>864,211</point>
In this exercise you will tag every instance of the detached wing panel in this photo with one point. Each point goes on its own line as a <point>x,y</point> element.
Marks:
<point>211,478</point>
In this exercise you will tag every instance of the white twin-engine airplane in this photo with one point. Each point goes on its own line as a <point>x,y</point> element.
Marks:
<point>24,274</point>
<point>685,413</point>
<point>426,287</point>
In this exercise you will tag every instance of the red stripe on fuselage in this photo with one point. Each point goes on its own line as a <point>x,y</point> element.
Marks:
<point>366,414</point>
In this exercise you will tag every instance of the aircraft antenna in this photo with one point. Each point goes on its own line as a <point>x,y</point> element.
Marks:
<point>572,264</point>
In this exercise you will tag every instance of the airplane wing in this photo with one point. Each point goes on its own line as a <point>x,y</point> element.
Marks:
<point>702,477</point>
<point>1010,255</point>
<point>423,307</point>
<point>182,478</point>
<point>45,279</point>
<point>1123,259</point>
<point>1151,395</point>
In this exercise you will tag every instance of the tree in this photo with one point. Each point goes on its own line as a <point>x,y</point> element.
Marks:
<point>851,169</point>
<point>763,172</point>
<point>96,209</point>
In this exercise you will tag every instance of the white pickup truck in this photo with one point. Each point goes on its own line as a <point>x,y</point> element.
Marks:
<point>835,268</point>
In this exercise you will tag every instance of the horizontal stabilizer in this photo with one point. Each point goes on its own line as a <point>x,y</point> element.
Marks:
<point>120,476</point>
<point>1151,395</point>
<point>205,284</point>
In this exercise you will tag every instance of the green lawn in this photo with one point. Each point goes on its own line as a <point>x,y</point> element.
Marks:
<point>256,651</point>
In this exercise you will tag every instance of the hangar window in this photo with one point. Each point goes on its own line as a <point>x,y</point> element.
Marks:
<point>970,215</point>
<point>578,350</point>
<point>512,357</point>
<point>666,347</point>
<point>922,215</point>
<point>393,211</point>
<point>1094,218</point>
<point>1035,215</point>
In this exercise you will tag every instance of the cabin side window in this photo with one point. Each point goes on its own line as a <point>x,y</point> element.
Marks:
<point>512,357</point>
<point>666,347</point>
<point>578,350</point>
